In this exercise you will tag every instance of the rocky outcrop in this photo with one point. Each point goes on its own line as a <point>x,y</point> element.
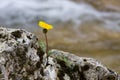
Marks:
<point>21,58</point>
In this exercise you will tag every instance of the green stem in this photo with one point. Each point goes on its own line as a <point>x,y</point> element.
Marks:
<point>46,43</point>
<point>46,47</point>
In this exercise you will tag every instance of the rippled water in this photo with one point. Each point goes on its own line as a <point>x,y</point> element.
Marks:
<point>80,27</point>
<point>27,12</point>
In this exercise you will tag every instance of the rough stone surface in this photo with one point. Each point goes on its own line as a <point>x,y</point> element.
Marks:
<point>20,55</point>
<point>21,58</point>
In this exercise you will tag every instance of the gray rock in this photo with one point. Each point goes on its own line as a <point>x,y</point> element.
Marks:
<point>21,58</point>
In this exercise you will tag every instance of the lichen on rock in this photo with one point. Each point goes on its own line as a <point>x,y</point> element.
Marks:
<point>21,58</point>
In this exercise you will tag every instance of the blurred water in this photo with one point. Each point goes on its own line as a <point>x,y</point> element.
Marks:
<point>26,13</point>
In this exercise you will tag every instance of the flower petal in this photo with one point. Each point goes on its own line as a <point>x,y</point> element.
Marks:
<point>45,25</point>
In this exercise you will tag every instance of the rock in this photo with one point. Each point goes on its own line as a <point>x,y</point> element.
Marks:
<point>21,58</point>
<point>72,67</point>
<point>20,55</point>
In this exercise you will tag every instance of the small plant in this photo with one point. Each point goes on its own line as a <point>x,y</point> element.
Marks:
<point>42,45</point>
<point>65,60</point>
<point>45,27</point>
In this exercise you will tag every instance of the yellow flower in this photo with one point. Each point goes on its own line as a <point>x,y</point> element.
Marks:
<point>45,25</point>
